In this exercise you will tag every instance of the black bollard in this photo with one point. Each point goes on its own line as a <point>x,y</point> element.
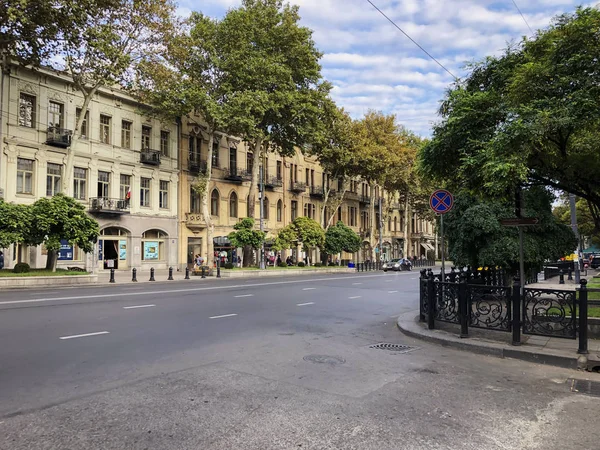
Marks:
<point>203,273</point>
<point>358,267</point>
<point>218,269</point>
<point>152,274</point>
<point>134,275</point>
<point>561,277</point>
<point>570,277</point>
<point>170,274</point>
<point>112,276</point>
<point>187,273</point>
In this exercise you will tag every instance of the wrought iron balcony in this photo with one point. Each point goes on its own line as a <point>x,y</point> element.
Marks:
<point>351,195</point>
<point>317,191</point>
<point>151,157</point>
<point>237,175</point>
<point>195,221</point>
<point>195,165</point>
<point>273,182</point>
<point>365,199</point>
<point>298,187</point>
<point>59,137</point>
<point>109,205</point>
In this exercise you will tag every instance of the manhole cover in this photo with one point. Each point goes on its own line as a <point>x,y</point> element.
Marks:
<point>393,347</point>
<point>325,359</point>
<point>585,386</point>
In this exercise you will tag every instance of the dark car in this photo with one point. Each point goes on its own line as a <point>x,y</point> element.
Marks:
<point>595,262</point>
<point>397,265</point>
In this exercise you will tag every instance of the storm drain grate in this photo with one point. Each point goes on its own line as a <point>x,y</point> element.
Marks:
<point>399,348</point>
<point>585,386</point>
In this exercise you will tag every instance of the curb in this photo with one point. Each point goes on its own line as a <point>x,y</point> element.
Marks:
<point>408,324</point>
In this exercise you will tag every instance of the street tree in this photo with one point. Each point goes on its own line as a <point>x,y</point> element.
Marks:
<point>529,115</point>
<point>61,217</point>
<point>245,234</point>
<point>303,231</point>
<point>15,221</point>
<point>340,238</point>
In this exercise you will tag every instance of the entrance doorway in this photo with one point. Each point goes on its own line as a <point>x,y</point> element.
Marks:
<point>194,248</point>
<point>112,248</point>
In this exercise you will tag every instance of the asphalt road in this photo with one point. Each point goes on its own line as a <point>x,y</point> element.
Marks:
<point>263,364</point>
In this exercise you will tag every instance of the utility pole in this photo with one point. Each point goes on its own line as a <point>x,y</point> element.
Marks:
<point>262,225</point>
<point>576,233</point>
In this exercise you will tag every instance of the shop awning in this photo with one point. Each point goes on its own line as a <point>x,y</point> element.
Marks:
<point>427,246</point>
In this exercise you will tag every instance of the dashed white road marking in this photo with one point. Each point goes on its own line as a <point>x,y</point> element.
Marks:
<point>308,289</point>
<point>243,295</point>
<point>224,315</point>
<point>305,304</point>
<point>138,306</point>
<point>392,292</point>
<point>413,278</point>
<point>98,333</point>
<point>355,284</point>
<point>356,296</point>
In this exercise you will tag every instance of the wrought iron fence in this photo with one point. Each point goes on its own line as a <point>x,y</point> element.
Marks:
<point>446,302</point>
<point>549,312</point>
<point>489,307</point>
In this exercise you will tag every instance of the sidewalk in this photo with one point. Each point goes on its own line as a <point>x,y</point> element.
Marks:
<point>538,349</point>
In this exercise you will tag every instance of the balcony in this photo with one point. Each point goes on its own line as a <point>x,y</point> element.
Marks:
<point>351,195</point>
<point>273,182</point>
<point>237,175</point>
<point>151,157</point>
<point>317,191</point>
<point>112,206</point>
<point>298,187</point>
<point>197,166</point>
<point>365,200</point>
<point>59,137</point>
<point>195,221</point>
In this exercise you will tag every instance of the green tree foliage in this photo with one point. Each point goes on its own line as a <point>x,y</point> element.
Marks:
<point>245,235</point>
<point>15,220</point>
<point>585,222</point>
<point>477,238</point>
<point>339,238</point>
<point>61,217</point>
<point>302,230</point>
<point>532,114</point>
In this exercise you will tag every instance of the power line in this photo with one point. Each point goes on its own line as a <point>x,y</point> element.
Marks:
<point>412,40</point>
<point>523,17</point>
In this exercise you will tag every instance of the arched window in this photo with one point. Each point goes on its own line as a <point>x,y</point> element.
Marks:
<point>195,201</point>
<point>233,205</point>
<point>214,203</point>
<point>279,210</point>
<point>395,223</point>
<point>265,208</point>
<point>153,244</point>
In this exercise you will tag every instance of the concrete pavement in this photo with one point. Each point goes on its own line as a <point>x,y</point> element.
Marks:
<point>275,364</point>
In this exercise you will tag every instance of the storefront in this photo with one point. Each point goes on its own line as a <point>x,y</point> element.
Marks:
<point>223,249</point>
<point>113,244</point>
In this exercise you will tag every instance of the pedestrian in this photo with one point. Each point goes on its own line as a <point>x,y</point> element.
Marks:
<point>239,261</point>
<point>1,260</point>
<point>278,259</point>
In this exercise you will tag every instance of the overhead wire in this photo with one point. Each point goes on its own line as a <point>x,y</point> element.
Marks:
<point>412,40</point>
<point>522,16</point>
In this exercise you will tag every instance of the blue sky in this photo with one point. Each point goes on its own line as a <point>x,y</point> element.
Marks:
<point>374,66</point>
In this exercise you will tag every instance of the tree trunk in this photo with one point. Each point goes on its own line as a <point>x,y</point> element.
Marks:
<point>51,260</point>
<point>405,229</point>
<point>371,223</point>
<point>210,227</point>
<point>67,177</point>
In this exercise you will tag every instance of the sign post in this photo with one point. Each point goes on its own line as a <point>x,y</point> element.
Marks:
<point>441,202</point>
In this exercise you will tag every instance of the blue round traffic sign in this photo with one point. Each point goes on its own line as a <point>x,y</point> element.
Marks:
<point>441,201</point>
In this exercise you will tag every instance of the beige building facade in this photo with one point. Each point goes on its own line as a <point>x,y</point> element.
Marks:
<point>126,171</point>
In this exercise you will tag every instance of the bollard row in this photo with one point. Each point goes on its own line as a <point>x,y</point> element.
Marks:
<point>170,278</point>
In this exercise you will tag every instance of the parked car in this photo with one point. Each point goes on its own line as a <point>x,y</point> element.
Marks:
<point>595,262</point>
<point>397,265</point>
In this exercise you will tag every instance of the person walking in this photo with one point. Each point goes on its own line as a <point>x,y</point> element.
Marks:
<point>1,260</point>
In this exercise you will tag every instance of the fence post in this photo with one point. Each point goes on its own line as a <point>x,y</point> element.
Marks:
<point>430,302</point>
<point>218,268</point>
<point>134,275</point>
<point>452,275</point>
<point>151,274</point>
<point>357,266</point>
<point>421,296</point>
<point>561,277</point>
<point>170,274</point>
<point>203,272</point>
<point>463,306</point>
<point>570,275</point>
<point>583,318</point>
<point>516,311</point>
<point>187,273</point>
<point>112,276</point>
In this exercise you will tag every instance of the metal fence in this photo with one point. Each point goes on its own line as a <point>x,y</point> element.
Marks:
<point>482,299</point>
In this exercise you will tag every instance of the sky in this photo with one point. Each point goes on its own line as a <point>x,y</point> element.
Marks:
<point>372,65</point>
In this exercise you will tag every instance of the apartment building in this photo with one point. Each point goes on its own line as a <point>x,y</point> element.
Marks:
<point>125,171</point>
<point>294,187</point>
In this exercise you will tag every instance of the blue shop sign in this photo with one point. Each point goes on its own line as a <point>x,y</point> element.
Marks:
<point>65,252</point>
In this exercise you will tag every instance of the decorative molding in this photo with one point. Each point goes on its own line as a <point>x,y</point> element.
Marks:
<point>29,87</point>
<point>59,97</point>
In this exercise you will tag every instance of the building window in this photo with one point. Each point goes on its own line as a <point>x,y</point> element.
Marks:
<point>53,176</point>
<point>232,161</point>
<point>215,155</point>
<point>195,201</point>
<point>395,224</point>
<point>279,210</point>
<point>233,205</point>
<point>79,183</point>
<point>266,208</point>
<point>307,171</point>
<point>294,209</point>
<point>339,213</point>
<point>249,161</point>
<point>27,110</point>
<point>103,184</point>
<point>279,170</point>
<point>55,116</point>
<point>24,176</point>
<point>105,125</point>
<point>83,132</point>
<point>125,134</point>
<point>153,244</point>
<point>146,134</point>
<point>125,187</point>
<point>266,168</point>
<point>163,194</point>
<point>145,192</point>
<point>214,203</point>
<point>165,136</point>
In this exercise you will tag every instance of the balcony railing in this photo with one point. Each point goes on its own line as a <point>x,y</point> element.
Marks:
<point>151,157</point>
<point>298,187</point>
<point>195,165</point>
<point>195,221</point>
<point>109,205</point>
<point>351,195</point>
<point>365,199</point>
<point>317,191</point>
<point>273,182</point>
<point>59,137</point>
<point>237,175</point>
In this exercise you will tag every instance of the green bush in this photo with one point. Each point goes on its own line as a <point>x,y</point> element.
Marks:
<point>301,264</point>
<point>228,265</point>
<point>282,264</point>
<point>318,264</point>
<point>332,264</point>
<point>21,268</point>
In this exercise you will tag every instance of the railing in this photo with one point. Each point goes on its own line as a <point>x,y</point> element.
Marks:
<point>197,166</point>
<point>317,191</point>
<point>151,157</point>
<point>273,182</point>
<point>298,186</point>
<point>59,137</point>
<point>423,263</point>
<point>109,205</point>
<point>237,175</point>
<point>195,221</point>
<point>365,199</point>
<point>351,195</point>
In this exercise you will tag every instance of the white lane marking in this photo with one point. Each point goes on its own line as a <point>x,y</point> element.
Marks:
<point>413,278</point>
<point>352,298</point>
<point>176,291</point>
<point>138,306</point>
<point>84,335</point>
<point>354,284</point>
<point>244,295</point>
<point>392,292</point>
<point>224,315</point>
<point>305,304</point>
<point>308,289</point>
<point>388,281</point>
